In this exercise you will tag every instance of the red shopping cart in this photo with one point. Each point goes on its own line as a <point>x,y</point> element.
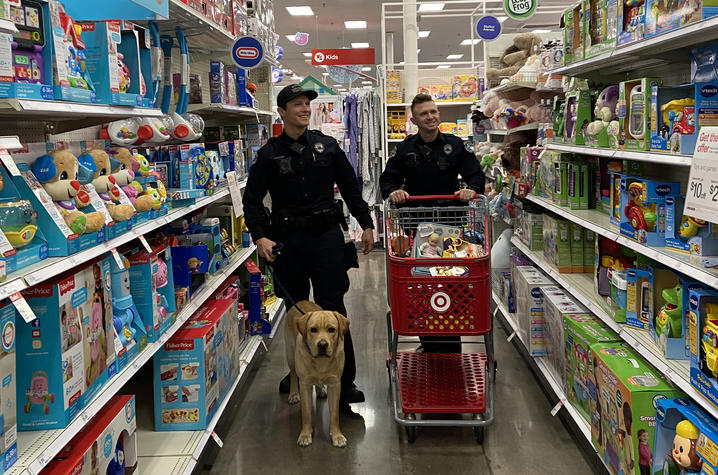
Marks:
<point>434,297</point>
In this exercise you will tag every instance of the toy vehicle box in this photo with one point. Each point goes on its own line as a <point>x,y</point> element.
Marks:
<point>187,369</point>
<point>558,305</point>
<point>66,355</point>
<point>643,209</point>
<point>622,405</point>
<point>107,444</point>
<point>528,284</point>
<point>702,338</point>
<point>663,16</point>
<point>687,234</point>
<point>152,286</point>
<point>580,332</point>
<point>634,113</point>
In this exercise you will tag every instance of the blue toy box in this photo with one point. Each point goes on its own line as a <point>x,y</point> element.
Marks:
<point>8,376</point>
<point>189,265</point>
<point>687,234</point>
<point>188,369</point>
<point>152,287</point>
<point>674,122</point>
<point>631,24</point>
<point>258,325</point>
<point>643,209</point>
<point>67,355</point>
<point>663,16</point>
<point>639,298</point>
<point>702,321</point>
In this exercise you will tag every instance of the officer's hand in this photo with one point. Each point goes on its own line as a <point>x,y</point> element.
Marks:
<point>367,240</point>
<point>398,196</point>
<point>264,247</point>
<point>465,194</point>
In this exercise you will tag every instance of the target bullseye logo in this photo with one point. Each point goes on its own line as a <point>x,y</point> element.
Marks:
<point>440,301</point>
<point>319,57</point>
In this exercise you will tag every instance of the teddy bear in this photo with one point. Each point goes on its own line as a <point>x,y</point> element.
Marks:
<point>514,57</point>
<point>106,186</point>
<point>123,171</point>
<point>58,172</point>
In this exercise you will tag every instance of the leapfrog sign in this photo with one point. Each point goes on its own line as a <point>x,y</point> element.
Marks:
<point>520,9</point>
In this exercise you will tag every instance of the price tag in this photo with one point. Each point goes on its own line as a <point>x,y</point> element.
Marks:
<point>511,337</point>
<point>22,307</point>
<point>217,439</point>
<point>118,259</point>
<point>9,162</point>
<point>236,192</point>
<point>556,408</point>
<point>145,244</point>
<point>702,195</point>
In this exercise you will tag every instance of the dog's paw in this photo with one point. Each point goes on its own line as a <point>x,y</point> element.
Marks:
<point>338,440</point>
<point>294,398</point>
<point>321,391</point>
<point>305,440</point>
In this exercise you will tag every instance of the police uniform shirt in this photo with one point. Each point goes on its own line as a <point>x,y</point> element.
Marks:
<point>431,169</point>
<point>300,176</point>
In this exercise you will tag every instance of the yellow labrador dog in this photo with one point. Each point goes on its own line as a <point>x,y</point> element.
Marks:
<point>315,354</point>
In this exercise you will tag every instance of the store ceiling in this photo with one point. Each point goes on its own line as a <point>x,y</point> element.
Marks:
<point>326,30</point>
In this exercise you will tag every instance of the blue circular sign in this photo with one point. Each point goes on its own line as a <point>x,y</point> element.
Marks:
<point>278,52</point>
<point>277,75</point>
<point>247,52</point>
<point>488,28</point>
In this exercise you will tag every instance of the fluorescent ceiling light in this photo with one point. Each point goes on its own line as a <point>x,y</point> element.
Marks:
<point>366,68</point>
<point>502,18</point>
<point>541,31</point>
<point>367,82</point>
<point>300,11</point>
<point>431,7</point>
<point>467,42</point>
<point>424,34</point>
<point>291,38</point>
<point>455,56</point>
<point>443,66</point>
<point>307,55</point>
<point>355,24</point>
<point>360,45</point>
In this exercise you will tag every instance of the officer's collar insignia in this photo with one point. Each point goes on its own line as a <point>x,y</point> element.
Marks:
<point>448,149</point>
<point>319,147</point>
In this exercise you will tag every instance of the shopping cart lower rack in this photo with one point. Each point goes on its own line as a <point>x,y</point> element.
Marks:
<point>447,294</point>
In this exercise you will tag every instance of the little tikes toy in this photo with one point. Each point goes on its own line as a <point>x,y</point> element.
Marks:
<point>106,186</point>
<point>18,222</point>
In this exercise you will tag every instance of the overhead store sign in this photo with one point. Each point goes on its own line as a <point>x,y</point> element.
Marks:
<point>247,52</point>
<point>702,194</point>
<point>520,9</point>
<point>343,56</point>
<point>92,10</point>
<point>488,28</point>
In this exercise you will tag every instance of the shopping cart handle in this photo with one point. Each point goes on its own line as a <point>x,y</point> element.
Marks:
<point>434,198</point>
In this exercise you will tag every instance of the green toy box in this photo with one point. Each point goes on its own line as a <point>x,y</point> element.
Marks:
<point>559,180</point>
<point>599,20</point>
<point>573,34</point>
<point>558,305</point>
<point>589,244</point>
<point>580,332</point>
<point>576,248</point>
<point>557,243</point>
<point>622,404</point>
<point>578,184</point>
<point>577,116</point>
<point>634,113</point>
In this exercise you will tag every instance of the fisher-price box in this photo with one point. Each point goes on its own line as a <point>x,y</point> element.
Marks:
<point>152,287</point>
<point>643,209</point>
<point>702,337</point>
<point>188,369</point>
<point>528,285</point>
<point>8,396</point>
<point>623,404</point>
<point>66,355</point>
<point>107,444</point>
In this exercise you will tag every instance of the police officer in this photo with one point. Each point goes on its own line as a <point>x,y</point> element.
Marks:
<point>299,169</point>
<point>428,163</point>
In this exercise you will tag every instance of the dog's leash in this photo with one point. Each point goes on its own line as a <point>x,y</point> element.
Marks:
<point>276,250</point>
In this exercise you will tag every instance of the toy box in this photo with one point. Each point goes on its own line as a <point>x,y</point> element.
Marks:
<point>686,438</point>
<point>634,113</point>
<point>557,243</point>
<point>639,298</point>
<point>559,180</point>
<point>8,376</point>
<point>442,92</point>
<point>631,22</point>
<point>66,355</point>
<point>463,129</point>
<point>107,444</point>
<point>674,123</point>
<point>152,286</point>
<point>702,337</point>
<point>447,128</point>
<point>576,236</point>
<point>618,298</point>
<point>187,369</point>
<point>528,284</point>
<point>465,88</point>
<point>581,331</point>
<point>577,117</point>
<point>531,230</point>
<point>430,239</point>
<point>589,245</point>
<point>189,265</point>
<point>558,305</point>
<point>662,17</point>
<point>258,325</point>
<point>616,214</point>
<point>217,82</point>
<point>622,406</point>
<point>573,32</point>
<point>579,189</point>
<point>687,234</point>
<point>394,91</point>
<point>643,209</point>
<point>599,18</point>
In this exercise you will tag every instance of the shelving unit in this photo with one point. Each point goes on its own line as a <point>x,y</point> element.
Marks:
<point>465,139</point>
<point>652,157</point>
<point>521,128</point>
<point>438,104</point>
<point>37,448</point>
<point>223,113</point>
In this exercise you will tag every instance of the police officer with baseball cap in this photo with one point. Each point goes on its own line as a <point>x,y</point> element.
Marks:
<point>299,170</point>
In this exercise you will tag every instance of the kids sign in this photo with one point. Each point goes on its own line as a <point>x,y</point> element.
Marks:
<point>342,56</point>
<point>520,9</point>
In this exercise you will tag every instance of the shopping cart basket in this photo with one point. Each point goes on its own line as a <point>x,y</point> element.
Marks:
<point>437,297</point>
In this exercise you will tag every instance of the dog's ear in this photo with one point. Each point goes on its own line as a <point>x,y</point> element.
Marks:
<point>343,323</point>
<point>301,323</point>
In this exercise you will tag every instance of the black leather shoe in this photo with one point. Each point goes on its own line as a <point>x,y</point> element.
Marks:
<point>284,385</point>
<point>351,395</point>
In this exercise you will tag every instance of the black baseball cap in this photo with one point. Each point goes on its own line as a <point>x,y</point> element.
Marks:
<point>292,91</point>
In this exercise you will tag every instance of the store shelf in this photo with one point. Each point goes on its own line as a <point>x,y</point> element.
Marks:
<point>8,27</point>
<point>438,104</point>
<point>521,128</point>
<point>600,224</point>
<point>511,86</point>
<point>225,112</point>
<point>652,157</point>
<point>202,33</point>
<point>277,311</point>
<point>37,448</point>
<point>10,142</point>
<point>581,287</point>
<point>465,139</point>
<point>169,450</point>
<point>657,47</point>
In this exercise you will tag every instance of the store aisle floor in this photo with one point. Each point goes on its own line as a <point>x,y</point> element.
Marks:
<point>260,429</point>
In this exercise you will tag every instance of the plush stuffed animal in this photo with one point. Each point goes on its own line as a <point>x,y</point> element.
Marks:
<point>106,186</point>
<point>604,111</point>
<point>59,173</point>
<point>514,57</point>
<point>124,173</point>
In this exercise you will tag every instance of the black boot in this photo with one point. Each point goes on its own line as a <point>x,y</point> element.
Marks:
<point>351,395</point>
<point>284,385</point>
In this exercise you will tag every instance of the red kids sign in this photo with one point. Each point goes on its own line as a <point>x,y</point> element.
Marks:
<point>344,56</point>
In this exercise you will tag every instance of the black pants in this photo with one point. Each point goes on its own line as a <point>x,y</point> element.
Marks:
<point>317,258</point>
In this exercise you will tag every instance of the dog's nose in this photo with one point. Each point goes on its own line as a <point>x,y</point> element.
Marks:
<point>75,184</point>
<point>322,346</point>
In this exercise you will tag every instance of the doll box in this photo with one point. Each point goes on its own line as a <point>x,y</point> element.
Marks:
<point>528,284</point>
<point>622,404</point>
<point>65,357</point>
<point>107,444</point>
<point>429,241</point>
